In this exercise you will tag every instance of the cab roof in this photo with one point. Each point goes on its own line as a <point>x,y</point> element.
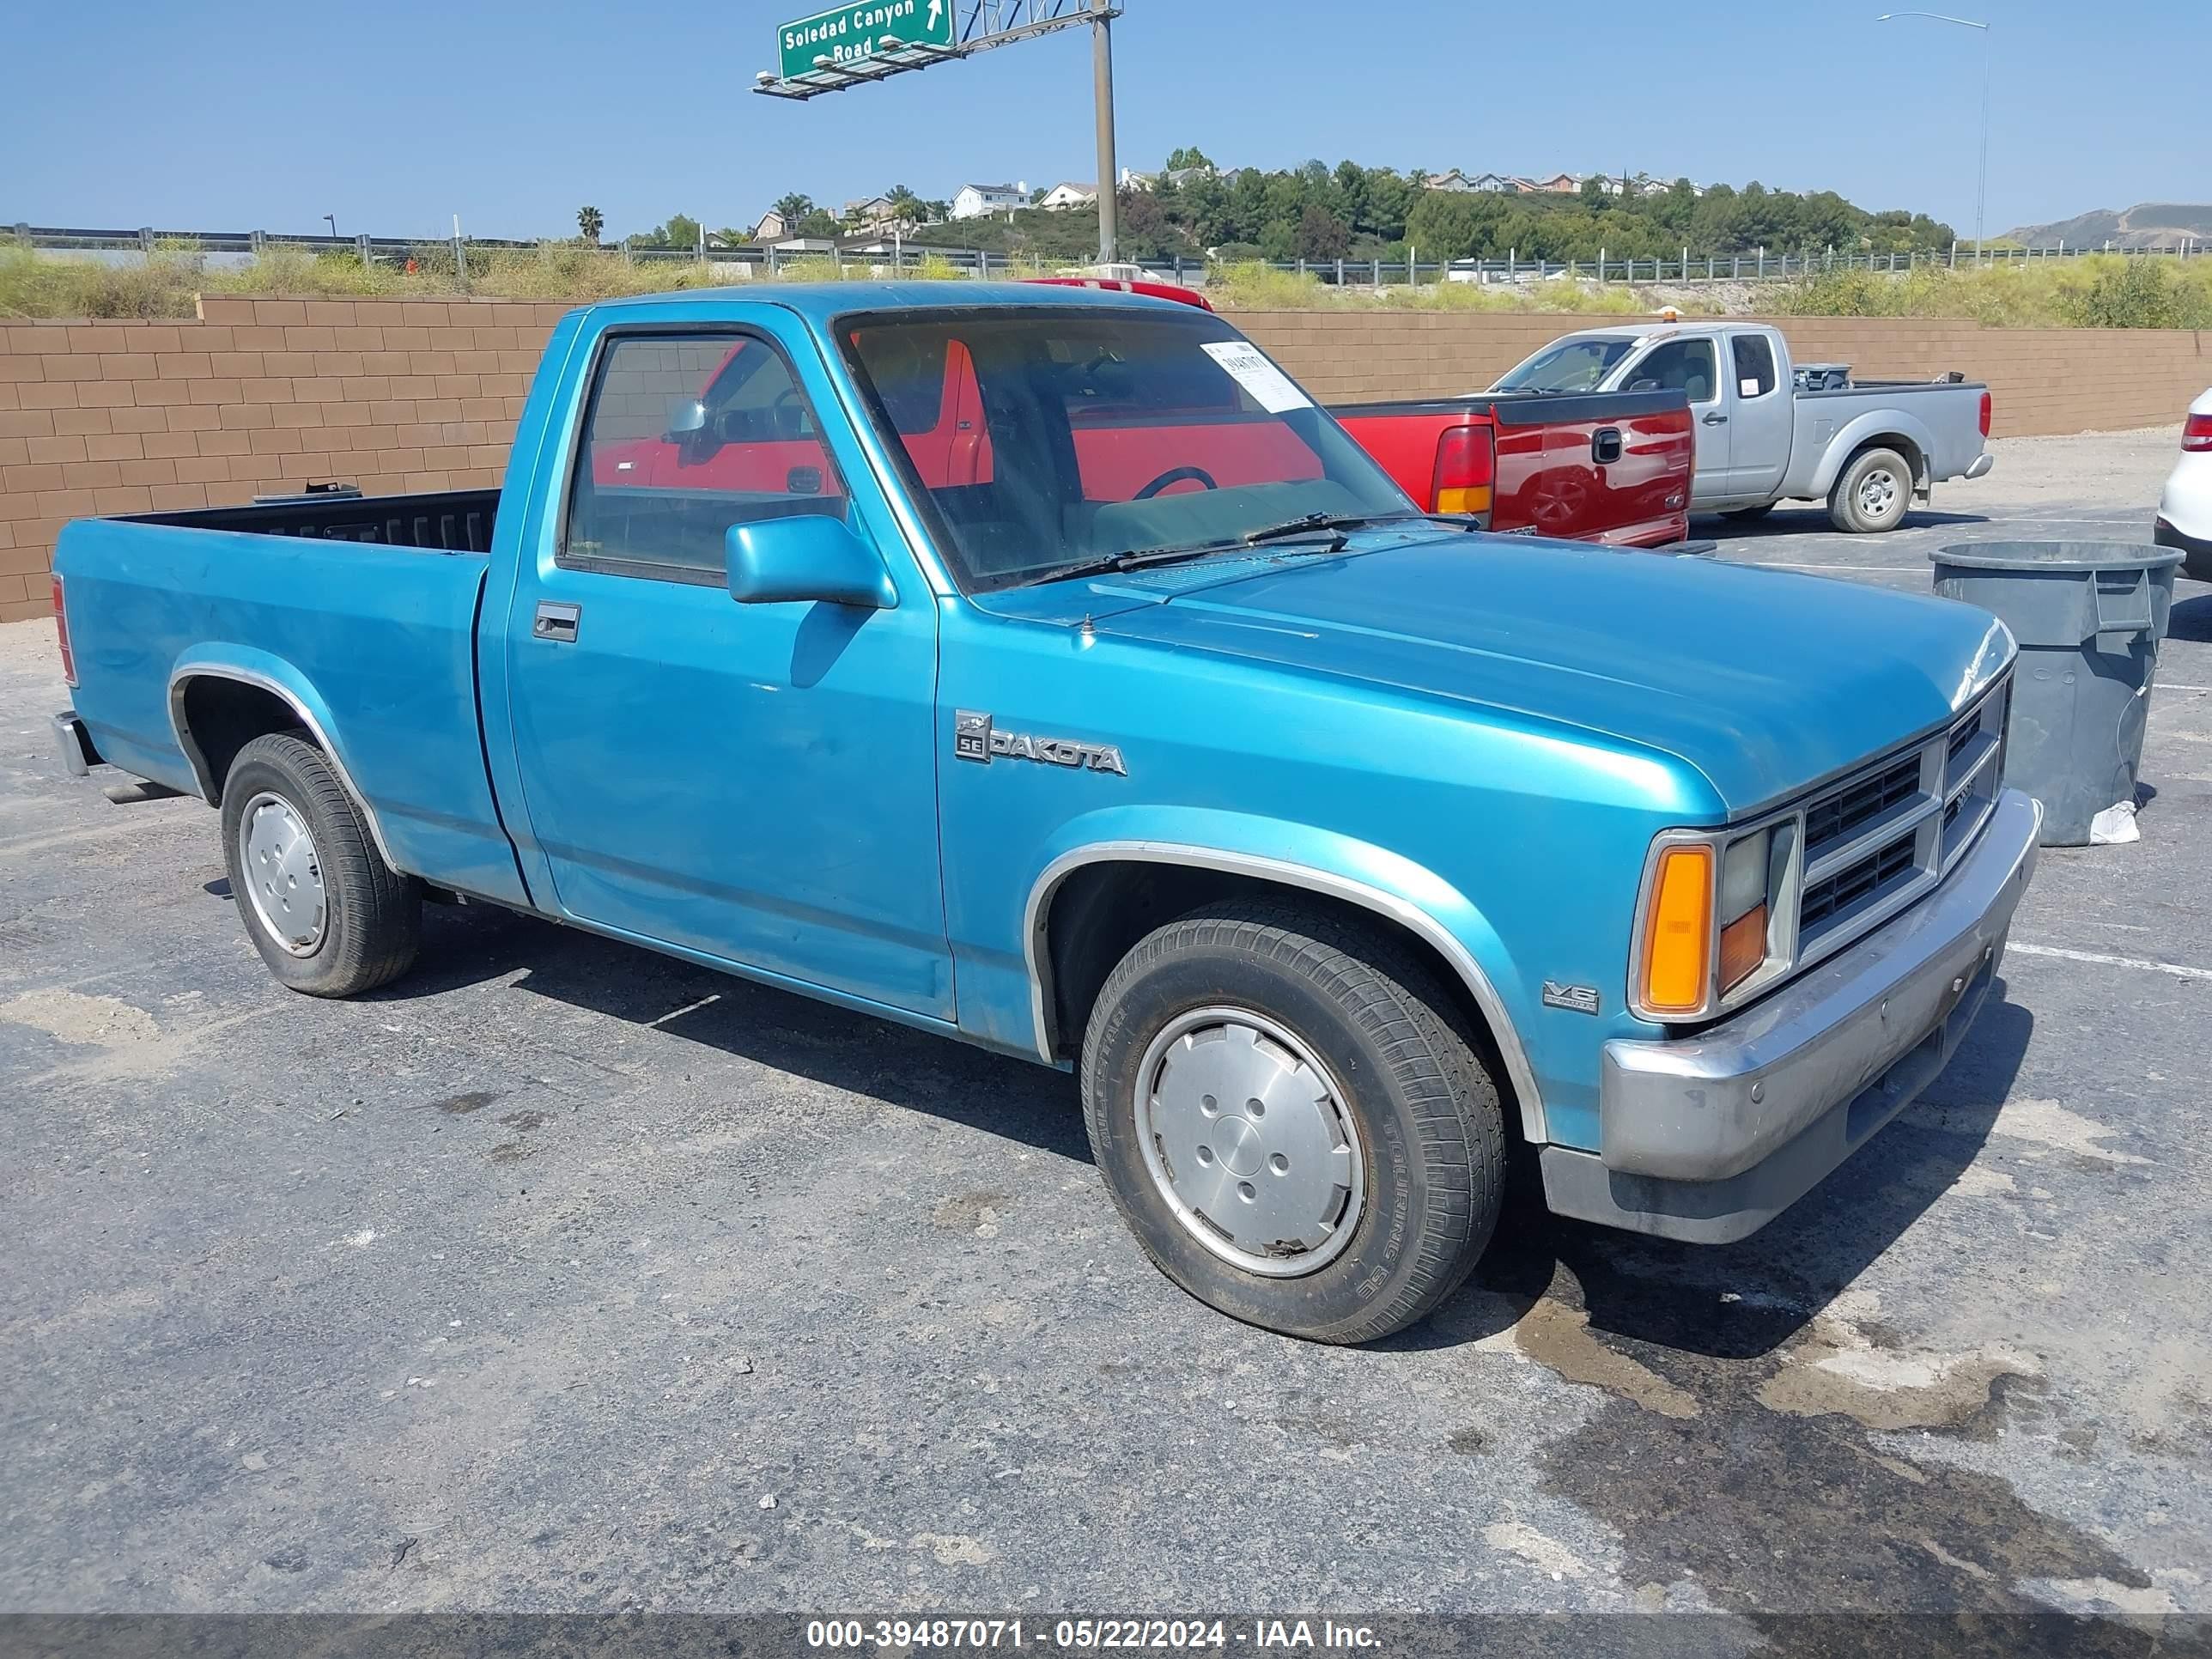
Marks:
<point>818,303</point>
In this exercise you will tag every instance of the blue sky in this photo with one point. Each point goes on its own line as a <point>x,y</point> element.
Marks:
<point>231,114</point>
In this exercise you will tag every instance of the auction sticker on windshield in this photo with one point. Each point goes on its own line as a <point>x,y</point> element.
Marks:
<point>1271,389</point>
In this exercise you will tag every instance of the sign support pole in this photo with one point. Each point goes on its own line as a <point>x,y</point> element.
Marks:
<point>1101,89</point>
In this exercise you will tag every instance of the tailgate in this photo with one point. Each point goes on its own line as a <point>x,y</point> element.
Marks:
<point>1610,466</point>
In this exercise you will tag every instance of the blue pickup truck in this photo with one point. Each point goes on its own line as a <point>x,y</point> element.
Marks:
<point>1042,668</point>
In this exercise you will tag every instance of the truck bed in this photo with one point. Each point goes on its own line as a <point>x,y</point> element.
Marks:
<point>327,605</point>
<point>446,520</point>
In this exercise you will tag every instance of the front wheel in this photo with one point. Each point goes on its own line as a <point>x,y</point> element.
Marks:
<point>1289,1118</point>
<point>1873,494</point>
<point>326,913</point>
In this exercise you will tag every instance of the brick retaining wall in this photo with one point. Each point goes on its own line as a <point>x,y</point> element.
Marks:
<point>263,395</point>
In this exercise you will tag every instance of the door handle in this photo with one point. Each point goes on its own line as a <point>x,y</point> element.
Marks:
<point>1716,419</point>
<point>1605,445</point>
<point>556,622</point>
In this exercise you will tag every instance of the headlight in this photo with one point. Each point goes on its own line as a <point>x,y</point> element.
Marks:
<point>1743,908</point>
<point>1706,929</point>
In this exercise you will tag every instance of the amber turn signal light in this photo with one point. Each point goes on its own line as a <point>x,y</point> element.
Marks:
<point>1678,939</point>
<point>1743,947</point>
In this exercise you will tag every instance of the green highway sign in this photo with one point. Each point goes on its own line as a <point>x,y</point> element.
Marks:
<point>848,34</point>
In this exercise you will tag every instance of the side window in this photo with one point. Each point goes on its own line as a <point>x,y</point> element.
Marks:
<point>684,437</point>
<point>1755,365</point>
<point>1684,366</point>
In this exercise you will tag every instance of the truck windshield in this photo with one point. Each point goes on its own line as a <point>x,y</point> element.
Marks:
<point>1569,366</point>
<point>1047,439</point>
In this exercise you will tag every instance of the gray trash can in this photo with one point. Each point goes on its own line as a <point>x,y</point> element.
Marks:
<point>2088,616</point>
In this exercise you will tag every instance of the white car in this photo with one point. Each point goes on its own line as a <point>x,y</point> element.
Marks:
<point>2184,511</point>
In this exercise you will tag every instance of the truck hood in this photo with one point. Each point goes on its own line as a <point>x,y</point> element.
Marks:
<point>1762,680</point>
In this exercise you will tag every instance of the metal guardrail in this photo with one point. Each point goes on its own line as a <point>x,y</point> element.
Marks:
<point>749,259</point>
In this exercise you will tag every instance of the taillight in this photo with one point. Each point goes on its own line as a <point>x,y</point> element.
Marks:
<point>1986,408</point>
<point>2196,435</point>
<point>1466,467</point>
<point>61,628</point>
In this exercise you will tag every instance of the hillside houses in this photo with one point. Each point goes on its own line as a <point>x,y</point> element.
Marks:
<point>1456,182</point>
<point>981,201</point>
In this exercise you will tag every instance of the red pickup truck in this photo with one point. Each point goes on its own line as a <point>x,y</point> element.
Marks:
<point>1612,467</point>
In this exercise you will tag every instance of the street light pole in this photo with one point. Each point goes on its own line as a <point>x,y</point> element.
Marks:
<point>1102,90</point>
<point>1982,180</point>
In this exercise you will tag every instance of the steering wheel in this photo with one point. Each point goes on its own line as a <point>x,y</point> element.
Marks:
<point>789,411</point>
<point>1175,475</point>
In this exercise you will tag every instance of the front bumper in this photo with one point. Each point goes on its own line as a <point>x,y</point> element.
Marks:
<point>1708,1138</point>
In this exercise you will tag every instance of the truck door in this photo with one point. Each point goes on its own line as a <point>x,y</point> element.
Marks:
<point>1762,418</point>
<point>753,782</point>
<point>1689,364</point>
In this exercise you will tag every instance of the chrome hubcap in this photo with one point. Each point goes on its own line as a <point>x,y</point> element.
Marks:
<point>1248,1138</point>
<point>284,878</point>
<point>1877,494</point>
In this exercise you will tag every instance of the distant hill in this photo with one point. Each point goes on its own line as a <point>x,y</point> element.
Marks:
<point>2147,225</point>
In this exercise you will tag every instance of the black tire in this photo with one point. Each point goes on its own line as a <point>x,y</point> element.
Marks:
<point>1427,1113</point>
<point>373,915</point>
<point>1748,514</point>
<point>1850,513</point>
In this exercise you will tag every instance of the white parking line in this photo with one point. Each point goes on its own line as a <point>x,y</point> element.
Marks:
<point>1822,569</point>
<point>2101,960</point>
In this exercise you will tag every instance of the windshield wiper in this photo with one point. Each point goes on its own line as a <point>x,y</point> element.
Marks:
<point>1314,524</point>
<point>1329,528</point>
<point>1325,523</point>
<point>1134,558</point>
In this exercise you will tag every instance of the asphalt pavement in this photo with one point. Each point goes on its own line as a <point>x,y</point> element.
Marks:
<point>564,1276</point>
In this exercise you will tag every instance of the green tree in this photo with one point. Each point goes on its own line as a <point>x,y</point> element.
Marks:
<point>590,224</point>
<point>794,207</point>
<point>906,205</point>
<point>1189,155</point>
<point>1321,234</point>
<point>1452,225</point>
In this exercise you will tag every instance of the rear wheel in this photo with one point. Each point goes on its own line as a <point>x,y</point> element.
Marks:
<point>328,916</point>
<point>1873,494</point>
<point>1291,1121</point>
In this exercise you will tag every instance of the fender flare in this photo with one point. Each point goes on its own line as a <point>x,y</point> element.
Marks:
<point>259,669</point>
<point>1874,425</point>
<point>1292,872</point>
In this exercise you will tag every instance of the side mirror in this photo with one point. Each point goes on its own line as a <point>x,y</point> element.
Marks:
<point>1646,384</point>
<point>692,432</point>
<point>806,556</point>
<point>689,420</point>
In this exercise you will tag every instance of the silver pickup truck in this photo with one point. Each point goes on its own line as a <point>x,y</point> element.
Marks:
<point>1869,448</point>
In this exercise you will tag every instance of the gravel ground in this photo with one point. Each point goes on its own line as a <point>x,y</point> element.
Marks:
<point>564,1276</point>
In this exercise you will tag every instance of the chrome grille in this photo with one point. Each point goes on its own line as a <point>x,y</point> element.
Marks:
<point>1881,838</point>
<point>1856,881</point>
<point>1833,817</point>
